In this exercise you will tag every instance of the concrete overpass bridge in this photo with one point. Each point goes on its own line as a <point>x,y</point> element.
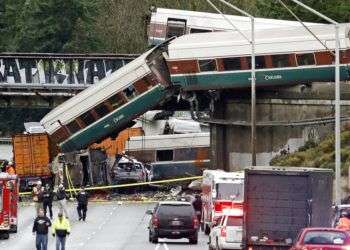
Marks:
<point>31,84</point>
<point>44,80</point>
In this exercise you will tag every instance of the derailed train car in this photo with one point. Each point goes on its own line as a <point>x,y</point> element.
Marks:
<point>171,156</point>
<point>166,23</point>
<point>106,108</point>
<point>85,168</point>
<point>285,56</point>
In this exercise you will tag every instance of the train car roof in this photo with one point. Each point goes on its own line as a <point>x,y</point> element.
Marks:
<point>173,141</point>
<point>95,94</point>
<point>231,43</point>
<point>204,20</point>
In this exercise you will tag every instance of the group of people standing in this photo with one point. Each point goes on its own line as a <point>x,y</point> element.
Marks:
<point>43,199</point>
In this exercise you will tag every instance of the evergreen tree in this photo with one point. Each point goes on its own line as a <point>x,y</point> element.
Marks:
<point>55,26</point>
<point>339,10</point>
<point>9,10</point>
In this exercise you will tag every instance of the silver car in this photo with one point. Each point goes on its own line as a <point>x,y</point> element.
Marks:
<point>128,170</point>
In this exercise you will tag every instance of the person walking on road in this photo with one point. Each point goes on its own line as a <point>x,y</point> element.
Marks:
<point>61,198</point>
<point>197,205</point>
<point>82,199</point>
<point>60,230</point>
<point>38,197</point>
<point>41,228</point>
<point>47,200</point>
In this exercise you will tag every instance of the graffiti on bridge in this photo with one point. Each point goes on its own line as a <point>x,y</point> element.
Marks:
<point>57,71</point>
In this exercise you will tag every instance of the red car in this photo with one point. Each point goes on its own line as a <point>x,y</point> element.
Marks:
<point>322,239</point>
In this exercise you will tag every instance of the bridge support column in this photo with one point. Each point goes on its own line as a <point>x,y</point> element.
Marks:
<point>276,111</point>
<point>217,141</point>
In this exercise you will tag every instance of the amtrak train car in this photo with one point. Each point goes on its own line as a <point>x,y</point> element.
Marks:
<point>283,56</point>
<point>104,109</point>
<point>167,23</point>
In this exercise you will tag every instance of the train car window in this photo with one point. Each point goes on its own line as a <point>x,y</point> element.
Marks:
<point>142,85</point>
<point>175,27</point>
<point>194,30</point>
<point>324,58</point>
<point>73,127</point>
<point>87,118</point>
<point>130,92</point>
<point>232,63</point>
<point>60,135</point>
<point>102,110</point>
<point>259,62</point>
<point>305,59</point>
<point>280,61</point>
<point>207,65</point>
<point>165,155</point>
<point>151,80</point>
<point>117,100</point>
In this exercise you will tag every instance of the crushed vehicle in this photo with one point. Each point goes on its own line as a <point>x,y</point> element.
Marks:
<point>128,170</point>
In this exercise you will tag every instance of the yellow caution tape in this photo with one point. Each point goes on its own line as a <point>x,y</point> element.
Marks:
<point>70,183</point>
<point>130,184</point>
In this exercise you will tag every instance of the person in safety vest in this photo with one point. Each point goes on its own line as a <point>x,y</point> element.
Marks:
<point>344,221</point>
<point>60,230</point>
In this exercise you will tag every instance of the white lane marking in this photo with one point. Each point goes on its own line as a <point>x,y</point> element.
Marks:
<point>163,244</point>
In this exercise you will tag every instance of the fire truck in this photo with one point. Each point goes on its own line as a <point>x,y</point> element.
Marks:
<point>8,204</point>
<point>220,191</point>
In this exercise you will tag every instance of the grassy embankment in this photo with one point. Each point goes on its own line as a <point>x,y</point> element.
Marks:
<point>318,155</point>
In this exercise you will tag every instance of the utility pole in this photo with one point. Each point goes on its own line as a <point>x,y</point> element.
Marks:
<point>252,76</point>
<point>337,100</point>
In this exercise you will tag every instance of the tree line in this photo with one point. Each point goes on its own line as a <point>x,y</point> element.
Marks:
<point>119,26</point>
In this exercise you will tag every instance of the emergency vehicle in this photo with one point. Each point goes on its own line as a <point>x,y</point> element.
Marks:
<point>8,204</point>
<point>221,191</point>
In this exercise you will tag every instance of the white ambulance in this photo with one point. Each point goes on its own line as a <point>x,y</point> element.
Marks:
<point>220,191</point>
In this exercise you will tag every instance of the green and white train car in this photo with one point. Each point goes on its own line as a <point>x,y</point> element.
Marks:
<point>167,23</point>
<point>288,55</point>
<point>106,108</point>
